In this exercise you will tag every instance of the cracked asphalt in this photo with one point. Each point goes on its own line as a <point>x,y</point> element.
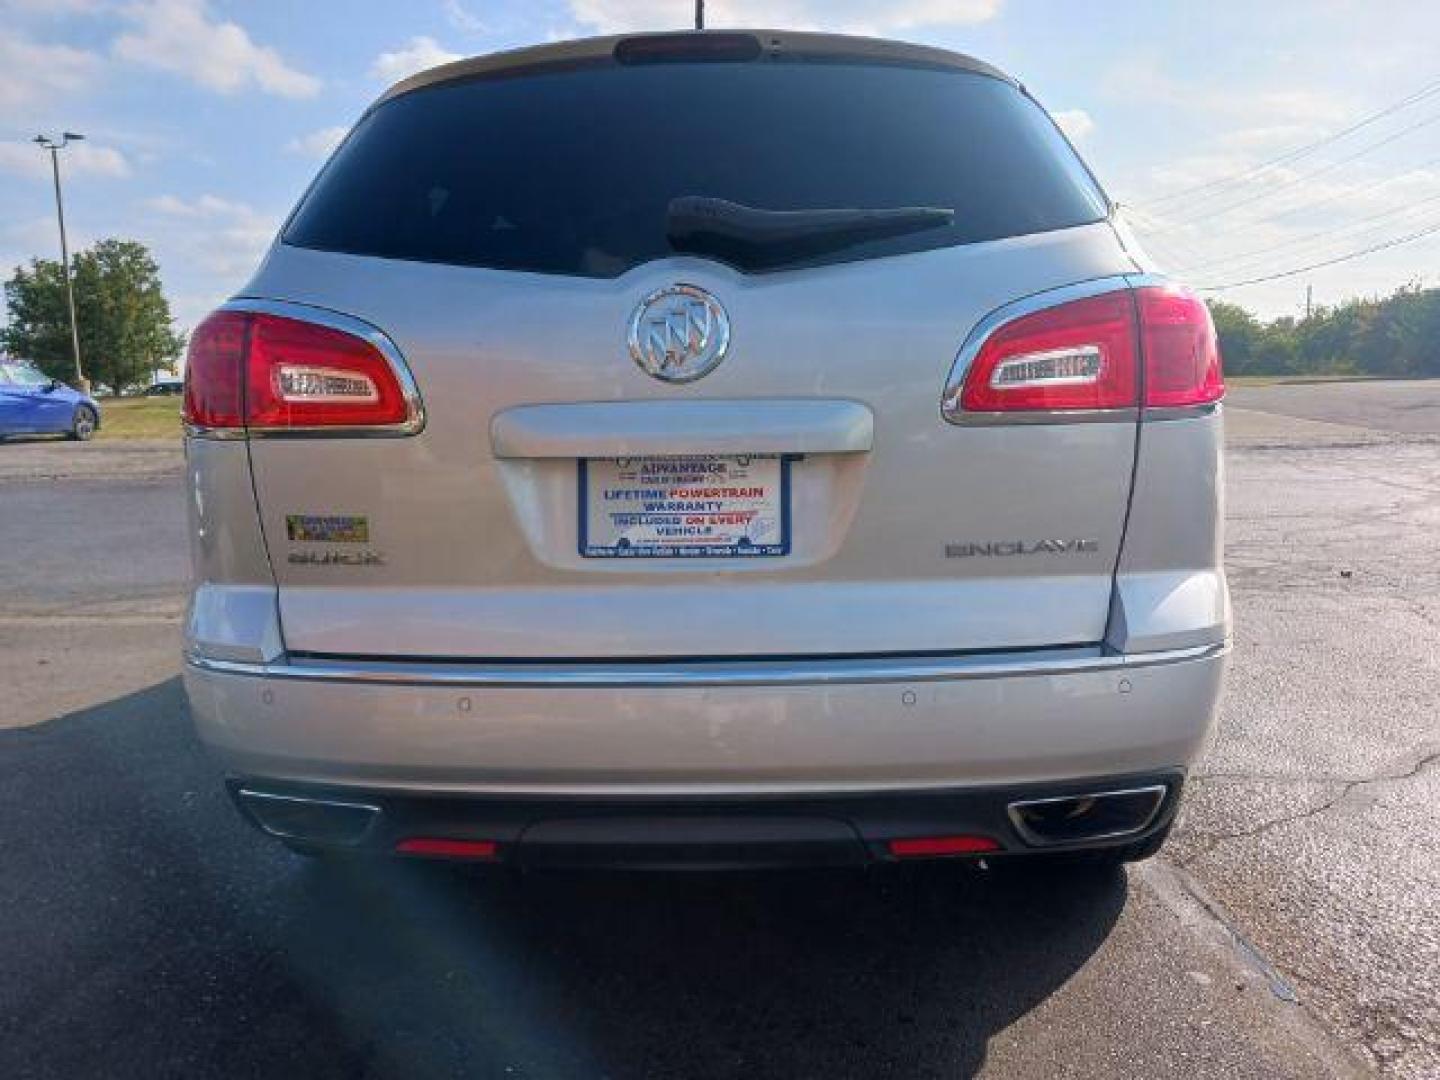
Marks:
<point>1312,818</point>
<point>1292,927</point>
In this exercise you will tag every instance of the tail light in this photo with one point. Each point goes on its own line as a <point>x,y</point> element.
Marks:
<point>215,372</point>
<point>1182,355</point>
<point>1079,355</point>
<point>262,371</point>
<point>1086,354</point>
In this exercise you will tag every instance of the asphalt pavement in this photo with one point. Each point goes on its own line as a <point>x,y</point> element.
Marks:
<point>1404,406</point>
<point>1291,929</point>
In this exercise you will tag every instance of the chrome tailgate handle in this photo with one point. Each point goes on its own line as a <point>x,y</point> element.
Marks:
<point>648,428</point>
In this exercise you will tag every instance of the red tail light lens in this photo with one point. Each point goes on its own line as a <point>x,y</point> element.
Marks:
<point>215,372</point>
<point>262,371</point>
<point>1182,355</point>
<point>1078,355</point>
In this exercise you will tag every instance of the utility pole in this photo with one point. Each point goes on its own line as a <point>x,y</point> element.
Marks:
<point>81,383</point>
<point>1309,297</point>
<point>699,14</point>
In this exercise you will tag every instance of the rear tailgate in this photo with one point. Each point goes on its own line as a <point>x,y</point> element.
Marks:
<point>906,533</point>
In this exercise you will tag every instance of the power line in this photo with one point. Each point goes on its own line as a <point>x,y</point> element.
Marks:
<point>1150,237</point>
<point>1323,234</point>
<point>1302,151</point>
<point>1327,168</point>
<point>1194,260</point>
<point>1421,234</point>
<point>1376,183</point>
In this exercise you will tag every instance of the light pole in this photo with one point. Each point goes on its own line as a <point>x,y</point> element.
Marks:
<point>54,147</point>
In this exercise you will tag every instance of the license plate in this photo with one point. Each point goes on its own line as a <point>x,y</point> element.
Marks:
<point>678,507</point>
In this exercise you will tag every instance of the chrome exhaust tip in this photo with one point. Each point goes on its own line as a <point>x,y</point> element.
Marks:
<point>1077,819</point>
<point>314,820</point>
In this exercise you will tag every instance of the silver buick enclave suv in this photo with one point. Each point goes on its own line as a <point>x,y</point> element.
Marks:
<point>707,448</point>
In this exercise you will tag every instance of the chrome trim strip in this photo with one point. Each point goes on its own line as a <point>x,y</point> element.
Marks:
<point>963,418</point>
<point>817,671</point>
<point>950,407</point>
<point>342,804</point>
<point>1035,840</point>
<point>414,421</point>
<point>200,431</point>
<point>630,428</point>
<point>1182,412</point>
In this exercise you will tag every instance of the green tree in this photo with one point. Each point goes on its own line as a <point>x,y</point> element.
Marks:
<point>1325,340</point>
<point>123,317</point>
<point>1239,335</point>
<point>1277,354</point>
<point>1394,336</point>
<point>1414,322</point>
<point>1426,359</point>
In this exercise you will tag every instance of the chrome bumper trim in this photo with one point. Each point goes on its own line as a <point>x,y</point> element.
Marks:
<point>803,671</point>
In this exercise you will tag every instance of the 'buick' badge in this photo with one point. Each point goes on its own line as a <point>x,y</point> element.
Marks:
<point>679,333</point>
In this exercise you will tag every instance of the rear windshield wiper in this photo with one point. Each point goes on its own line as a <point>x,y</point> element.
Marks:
<point>745,235</point>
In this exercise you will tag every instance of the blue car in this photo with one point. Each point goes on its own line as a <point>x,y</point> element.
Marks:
<point>32,403</point>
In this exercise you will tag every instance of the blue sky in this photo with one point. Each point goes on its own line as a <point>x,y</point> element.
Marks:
<point>205,119</point>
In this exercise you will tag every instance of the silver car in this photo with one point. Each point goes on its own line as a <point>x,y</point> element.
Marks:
<point>707,449</point>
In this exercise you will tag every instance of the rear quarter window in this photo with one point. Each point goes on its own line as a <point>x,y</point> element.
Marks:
<point>572,172</point>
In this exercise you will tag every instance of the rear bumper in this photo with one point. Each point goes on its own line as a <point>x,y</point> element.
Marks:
<point>694,832</point>
<point>770,728</point>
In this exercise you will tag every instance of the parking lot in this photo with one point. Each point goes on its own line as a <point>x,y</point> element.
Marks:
<point>1292,927</point>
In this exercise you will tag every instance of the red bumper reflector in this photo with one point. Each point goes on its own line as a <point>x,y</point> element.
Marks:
<point>441,847</point>
<point>922,847</point>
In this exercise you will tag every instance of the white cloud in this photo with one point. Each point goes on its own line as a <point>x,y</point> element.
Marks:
<point>223,236</point>
<point>190,308</point>
<point>31,71</point>
<point>1269,136</point>
<point>38,238</point>
<point>1076,123</point>
<point>24,158</point>
<point>203,206</point>
<point>846,16</point>
<point>463,19</point>
<point>54,7</point>
<point>1146,78</point>
<point>317,144</point>
<point>417,55</point>
<point>180,37</point>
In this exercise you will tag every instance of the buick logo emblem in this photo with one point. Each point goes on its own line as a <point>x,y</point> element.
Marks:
<point>679,333</point>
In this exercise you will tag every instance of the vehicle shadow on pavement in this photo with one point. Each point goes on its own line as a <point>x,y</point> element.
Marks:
<point>147,930</point>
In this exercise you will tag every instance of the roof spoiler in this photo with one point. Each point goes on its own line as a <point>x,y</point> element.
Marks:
<point>690,45</point>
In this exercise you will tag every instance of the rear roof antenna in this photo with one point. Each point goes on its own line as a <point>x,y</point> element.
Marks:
<point>699,14</point>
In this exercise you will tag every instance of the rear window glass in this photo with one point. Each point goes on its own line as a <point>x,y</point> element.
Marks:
<point>573,172</point>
